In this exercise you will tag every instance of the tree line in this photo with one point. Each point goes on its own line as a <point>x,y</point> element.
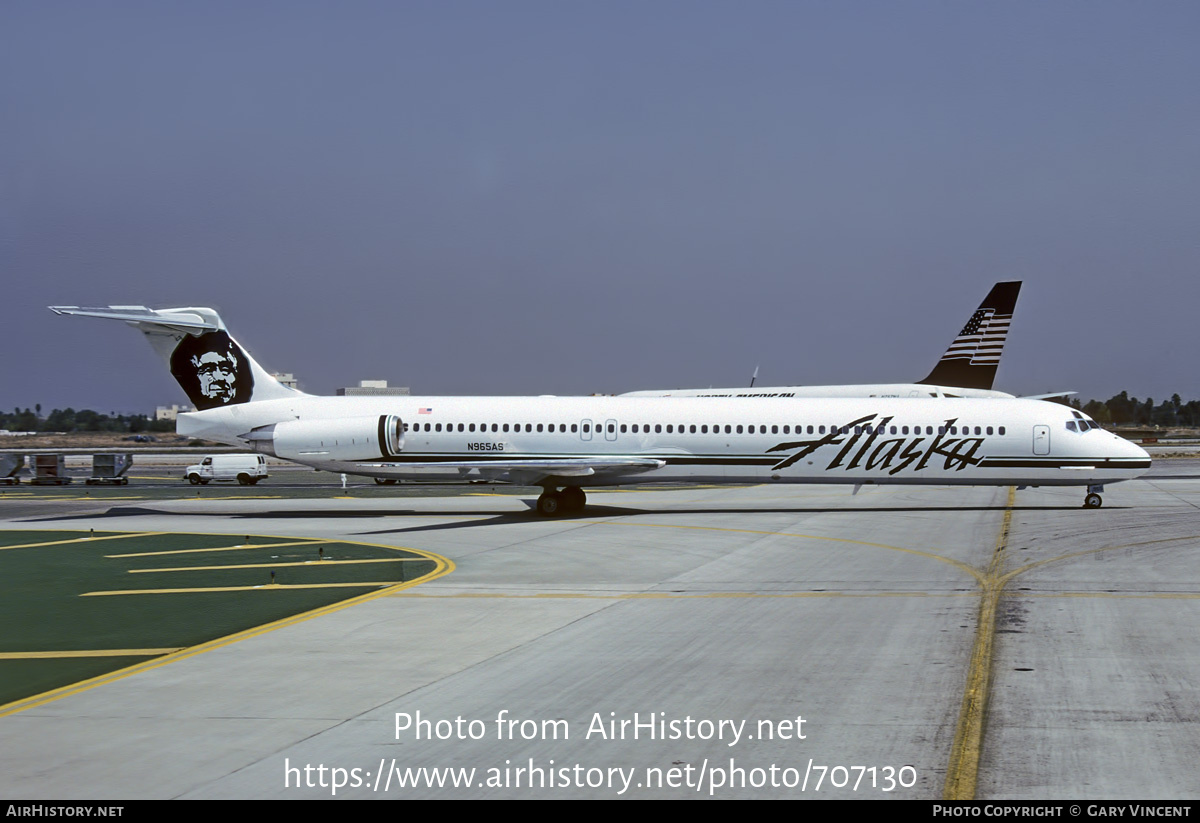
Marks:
<point>1123,410</point>
<point>84,420</point>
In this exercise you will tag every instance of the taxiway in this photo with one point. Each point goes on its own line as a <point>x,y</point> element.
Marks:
<point>986,643</point>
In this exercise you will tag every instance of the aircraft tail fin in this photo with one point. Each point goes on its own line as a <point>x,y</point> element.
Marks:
<point>210,366</point>
<point>973,357</point>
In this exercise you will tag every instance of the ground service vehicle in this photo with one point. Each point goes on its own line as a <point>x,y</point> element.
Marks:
<point>246,469</point>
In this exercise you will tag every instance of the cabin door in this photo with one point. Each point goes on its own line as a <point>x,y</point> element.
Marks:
<point>1041,439</point>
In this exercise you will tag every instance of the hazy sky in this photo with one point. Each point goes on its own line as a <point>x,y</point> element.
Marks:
<point>576,197</point>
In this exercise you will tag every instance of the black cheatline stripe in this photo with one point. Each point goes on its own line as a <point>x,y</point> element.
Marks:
<point>751,460</point>
<point>510,457</point>
<point>1102,463</point>
<point>1055,459</point>
<point>720,461</point>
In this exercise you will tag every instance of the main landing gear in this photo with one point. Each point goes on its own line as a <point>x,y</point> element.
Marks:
<point>1093,501</point>
<point>552,503</point>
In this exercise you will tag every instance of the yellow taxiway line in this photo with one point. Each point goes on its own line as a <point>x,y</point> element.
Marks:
<point>442,567</point>
<point>283,565</point>
<point>87,653</point>
<point>962,772</point>
<point>239,547</point>
<point>266,587</point>
<point>79,540</point>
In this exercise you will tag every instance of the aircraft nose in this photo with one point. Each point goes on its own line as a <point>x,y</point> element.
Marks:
<point>1130,450</point>
<point>1133,449</point>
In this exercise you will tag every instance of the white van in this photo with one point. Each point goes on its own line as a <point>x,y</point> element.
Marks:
<point>246,469</point>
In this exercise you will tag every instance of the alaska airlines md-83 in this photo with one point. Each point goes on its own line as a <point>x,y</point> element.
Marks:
<point>564,444</point>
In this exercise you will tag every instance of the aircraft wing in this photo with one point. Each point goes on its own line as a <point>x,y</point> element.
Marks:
<point>531,471</point>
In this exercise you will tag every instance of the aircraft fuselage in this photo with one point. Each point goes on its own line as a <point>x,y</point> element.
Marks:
<point>566,440</point>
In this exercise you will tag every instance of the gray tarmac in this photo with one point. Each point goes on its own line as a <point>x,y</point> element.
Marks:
<point>932,639</point>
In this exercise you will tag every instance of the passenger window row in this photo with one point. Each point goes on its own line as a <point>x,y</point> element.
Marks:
<point>495,427</point>
<point>727,428</point>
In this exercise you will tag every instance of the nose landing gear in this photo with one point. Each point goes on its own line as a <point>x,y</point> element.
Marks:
<point>1093,501</point>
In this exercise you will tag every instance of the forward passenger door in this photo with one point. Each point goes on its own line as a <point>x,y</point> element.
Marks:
<point>1041,439</point>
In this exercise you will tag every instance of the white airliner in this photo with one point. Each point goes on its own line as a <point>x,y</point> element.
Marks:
<point>967,369</point>
<point>566,443</point>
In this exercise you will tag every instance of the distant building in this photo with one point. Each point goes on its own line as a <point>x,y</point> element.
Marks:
<point>373,388</point>
<point>288,379</point>
<point>171,412</point>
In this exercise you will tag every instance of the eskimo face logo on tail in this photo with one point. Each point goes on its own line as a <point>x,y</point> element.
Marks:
<point>869,446</point>
<point>213,370</point>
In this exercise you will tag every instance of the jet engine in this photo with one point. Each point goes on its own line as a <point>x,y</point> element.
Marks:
<point>346,438</point>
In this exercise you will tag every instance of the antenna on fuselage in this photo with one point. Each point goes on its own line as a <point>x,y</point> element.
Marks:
<point>754,377</point>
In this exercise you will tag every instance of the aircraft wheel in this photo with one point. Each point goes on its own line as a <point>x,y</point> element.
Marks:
<point>194,479</point>
<point>573,499</point>
<point>1092,501</point>
<point>550,504</point>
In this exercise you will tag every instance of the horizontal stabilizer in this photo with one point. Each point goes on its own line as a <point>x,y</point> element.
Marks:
<point>209,365</point>
<point>187,320</point>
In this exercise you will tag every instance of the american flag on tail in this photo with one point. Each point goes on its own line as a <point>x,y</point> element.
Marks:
<point>981,341</point>
<point>972,358</point>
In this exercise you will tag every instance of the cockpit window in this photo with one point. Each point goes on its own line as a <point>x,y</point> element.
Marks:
<point>1081,423</point>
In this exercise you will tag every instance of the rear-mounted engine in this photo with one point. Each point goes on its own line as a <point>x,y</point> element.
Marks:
<point>350,438</point>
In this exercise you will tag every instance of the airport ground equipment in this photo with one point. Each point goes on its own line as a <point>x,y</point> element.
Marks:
<point>10,467</point>
<point>246,469</point>
<point>50,470</point>
<point>109,469</point>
